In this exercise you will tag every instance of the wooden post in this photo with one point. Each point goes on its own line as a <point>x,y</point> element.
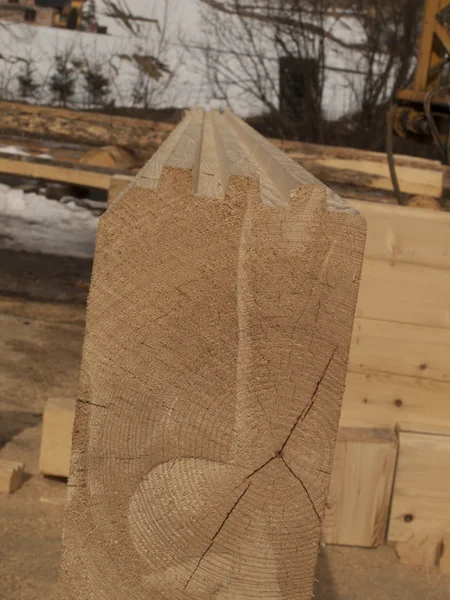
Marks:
<point>56,439</point>
<point>361,488</point>
<point>217,339</point>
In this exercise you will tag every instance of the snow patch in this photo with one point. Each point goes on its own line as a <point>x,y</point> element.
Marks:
<point>33,223</point>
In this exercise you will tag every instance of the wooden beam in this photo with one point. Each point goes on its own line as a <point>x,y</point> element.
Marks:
<point>381,400</point>
<point>65,172</point>
<point>405,293</point>
<point>400,349</point>
<point>11,476</point>
<point>78,127</point>
<point>419,513</point>
<point>54,458</point>
<point>361,486</point>
<point>401,234</point>
<point>219,324</point>
<point>362,168</point>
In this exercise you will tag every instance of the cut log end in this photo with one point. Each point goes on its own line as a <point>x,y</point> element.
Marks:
<point>218,331</point>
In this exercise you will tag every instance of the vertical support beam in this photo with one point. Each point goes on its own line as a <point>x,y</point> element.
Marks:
<point>361,488</point>
<point>217,339</point>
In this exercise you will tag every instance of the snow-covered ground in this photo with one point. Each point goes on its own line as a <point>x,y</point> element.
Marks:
<point>33,223</point>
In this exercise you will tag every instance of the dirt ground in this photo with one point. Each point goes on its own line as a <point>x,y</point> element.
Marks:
<point>40,348</point>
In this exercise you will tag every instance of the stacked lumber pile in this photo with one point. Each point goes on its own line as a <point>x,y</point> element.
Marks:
<point>80,127</point>
<point>364,175</point>
<point>395,426</point>
<point>397,391</point>
<point>218,331</point>
<point>110,144</point>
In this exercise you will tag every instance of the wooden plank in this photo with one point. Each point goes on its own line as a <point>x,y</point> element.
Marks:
<point>419,513</point>
<point>54,458</point>
<point>67,173</point>
<point>404,293</point>
<point>11,476</point>
<point>420,550</point>
<point>381,400</point>
<point>361,486</point>
<point>400,349</point>
<point>214,361</point>
<point>407,235</point>
<point>308,149</point>
<point>368,169</point>
<point>375,175</point>
<point>78,127</point>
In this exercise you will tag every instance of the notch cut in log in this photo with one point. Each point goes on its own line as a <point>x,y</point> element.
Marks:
<point>217,338</point>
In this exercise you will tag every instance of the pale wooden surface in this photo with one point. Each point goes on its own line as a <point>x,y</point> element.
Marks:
<point>405,293</point>
<point>11,476</point>
<point>367,169</point>
<point>420,550</point>
<point>399,366</point>
<point>401,234</point>
<point>400,349</point>
<point>361,486</point>
<point>382,400</point>
<point>420,513</point>
<point>214,362</point>
<point>66,173</point>
<point>54,457</point>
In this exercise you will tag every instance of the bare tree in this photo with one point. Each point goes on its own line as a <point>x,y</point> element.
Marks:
<point>387,59</point>
<point>129,21</point>
<point>152,59</point>
<point>278,56</point>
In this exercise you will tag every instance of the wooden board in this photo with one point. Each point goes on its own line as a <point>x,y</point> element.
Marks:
<point>420,513</point>
<point>401,234</point>
<point>404,293</point>
<point>11,476</point>
<point>54,458</point>
<point>219,324</point>
<point>52,171</point>
<point>400,349</point>
<point>361,486</point>
<point>335,164</point>
<point>381,400</point>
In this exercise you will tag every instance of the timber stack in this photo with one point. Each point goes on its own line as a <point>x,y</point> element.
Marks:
<point>218,332</point>
<point>81,127</point>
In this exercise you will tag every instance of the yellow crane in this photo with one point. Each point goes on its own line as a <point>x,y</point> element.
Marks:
<point>422,112</point>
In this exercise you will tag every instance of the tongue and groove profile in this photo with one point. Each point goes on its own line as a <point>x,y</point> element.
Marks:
<point>217,338</point>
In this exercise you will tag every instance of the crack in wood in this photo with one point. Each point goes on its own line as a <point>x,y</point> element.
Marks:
<point>304,487</point>
<point>228,515</point>
<point>302,416</point>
